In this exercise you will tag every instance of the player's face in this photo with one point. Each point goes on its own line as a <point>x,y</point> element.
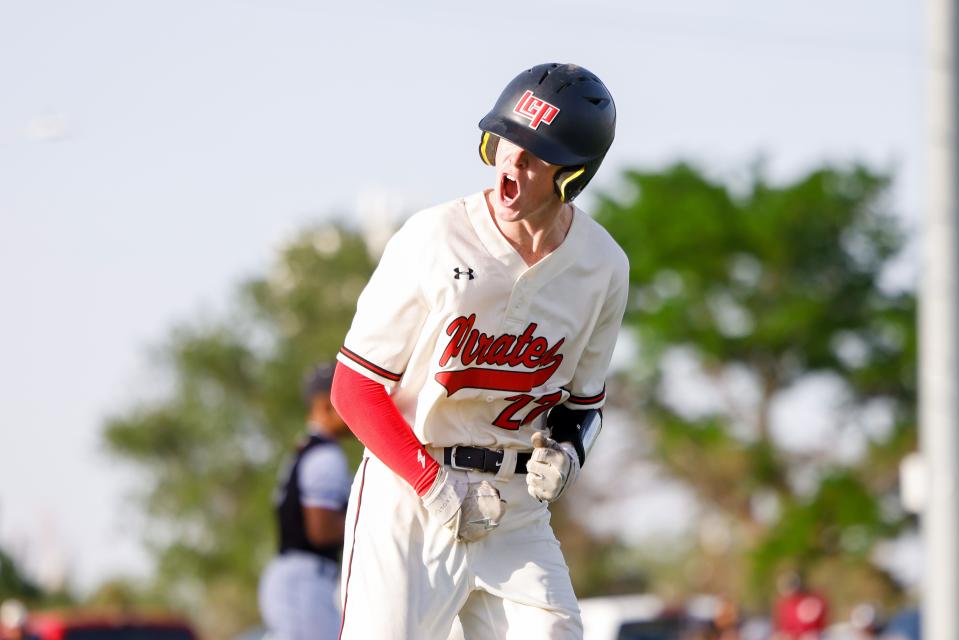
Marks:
<point>325,414</point>
<point>524,183</point>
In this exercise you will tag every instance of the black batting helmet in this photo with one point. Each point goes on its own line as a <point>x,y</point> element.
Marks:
<point>561,113</point>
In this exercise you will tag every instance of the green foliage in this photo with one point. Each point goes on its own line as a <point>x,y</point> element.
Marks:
<point>13,584</point>
<point>230,409</point>
<point>772,284</point>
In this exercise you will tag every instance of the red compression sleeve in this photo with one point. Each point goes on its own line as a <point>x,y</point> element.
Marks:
<point>371,415</point>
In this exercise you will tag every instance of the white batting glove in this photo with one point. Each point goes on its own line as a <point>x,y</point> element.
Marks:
<point>481,512</point>
<point>552,468</point>
<point>469,509</point>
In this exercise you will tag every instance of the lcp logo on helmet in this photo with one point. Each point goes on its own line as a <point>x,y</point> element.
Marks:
<point>535,110</point>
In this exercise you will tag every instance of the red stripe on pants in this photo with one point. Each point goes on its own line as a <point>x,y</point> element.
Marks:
<point>349,566</point>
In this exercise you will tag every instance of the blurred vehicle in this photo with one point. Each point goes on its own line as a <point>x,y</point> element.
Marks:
<point>80,626</point>
<point>633,617</point>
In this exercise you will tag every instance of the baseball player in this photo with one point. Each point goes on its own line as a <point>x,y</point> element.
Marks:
<point>298,588</point>
<point>474,372</point>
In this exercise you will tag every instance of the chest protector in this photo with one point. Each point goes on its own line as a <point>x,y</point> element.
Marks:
<point>289,511</point>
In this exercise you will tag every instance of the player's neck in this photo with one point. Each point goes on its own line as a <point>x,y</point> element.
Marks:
<point>538,233</point>
<point>319,428</point>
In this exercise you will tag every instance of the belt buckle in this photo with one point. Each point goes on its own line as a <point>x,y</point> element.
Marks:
<point>453,459</point>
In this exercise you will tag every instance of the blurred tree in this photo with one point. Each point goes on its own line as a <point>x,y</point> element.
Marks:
<point>123,596</point>
<point>743,300</point>
<point>211,440</point>
<point>14,584</point>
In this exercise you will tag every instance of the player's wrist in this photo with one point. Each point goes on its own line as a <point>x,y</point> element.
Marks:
<point>444,497</point>
<point>570,450</point>
<point>572,471</point>
<point>424,482</point>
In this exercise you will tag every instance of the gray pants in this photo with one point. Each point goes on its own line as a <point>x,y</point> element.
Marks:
<point>298,597</point>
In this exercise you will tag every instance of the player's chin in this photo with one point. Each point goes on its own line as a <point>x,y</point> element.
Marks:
<point>506,210</point>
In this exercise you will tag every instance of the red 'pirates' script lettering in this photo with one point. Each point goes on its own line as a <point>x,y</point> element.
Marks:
<point>471,346</point>
<point>535,110</point>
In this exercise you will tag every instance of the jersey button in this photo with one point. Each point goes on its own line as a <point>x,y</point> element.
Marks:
<point>489,398</point>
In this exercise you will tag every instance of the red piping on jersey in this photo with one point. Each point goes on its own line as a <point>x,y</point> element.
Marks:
<point>371,415</point>
<point>349,565</point>
<point>590,400</point>
<point>366,364</point>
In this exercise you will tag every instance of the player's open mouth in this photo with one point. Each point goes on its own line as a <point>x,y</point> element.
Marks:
<point>508,188</point>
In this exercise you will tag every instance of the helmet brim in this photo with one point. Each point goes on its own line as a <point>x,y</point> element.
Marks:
<point>523,136</point>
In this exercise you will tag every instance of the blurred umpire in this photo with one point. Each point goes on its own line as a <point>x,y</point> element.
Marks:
<point>298,588</point>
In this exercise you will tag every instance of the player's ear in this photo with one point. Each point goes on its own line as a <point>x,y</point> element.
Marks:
<point>487,148</point>
<point>569,182</point>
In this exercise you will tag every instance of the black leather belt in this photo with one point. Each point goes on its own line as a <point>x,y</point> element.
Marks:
<point>479,459</point>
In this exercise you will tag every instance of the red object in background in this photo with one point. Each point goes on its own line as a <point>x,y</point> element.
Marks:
<point>801,613</point>
<point>53,626</point>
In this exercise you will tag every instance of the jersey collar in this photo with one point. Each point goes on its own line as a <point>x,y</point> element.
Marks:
<point>499,247</point>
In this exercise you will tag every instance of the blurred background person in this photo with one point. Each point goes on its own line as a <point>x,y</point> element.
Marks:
<point>799,614</point>
<point>298,588</point>
<point>726,621</point>
<point>864,622</point>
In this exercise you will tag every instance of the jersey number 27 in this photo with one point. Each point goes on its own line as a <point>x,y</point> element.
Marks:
<point>506,419</point>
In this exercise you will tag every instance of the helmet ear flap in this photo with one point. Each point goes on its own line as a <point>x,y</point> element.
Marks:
<point>570,181</point>
<point>487,148</point>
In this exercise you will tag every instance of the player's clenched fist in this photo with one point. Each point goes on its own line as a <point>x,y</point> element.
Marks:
<point>469,509</point>
<point>552,467</point>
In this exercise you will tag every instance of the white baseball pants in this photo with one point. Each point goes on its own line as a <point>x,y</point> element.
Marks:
<point>405,576</point>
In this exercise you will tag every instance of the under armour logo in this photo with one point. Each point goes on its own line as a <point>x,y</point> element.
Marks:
<point>421,458</point>
<point>460,272</point>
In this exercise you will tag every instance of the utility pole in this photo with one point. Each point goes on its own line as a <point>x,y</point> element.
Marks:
<point>938,330</point>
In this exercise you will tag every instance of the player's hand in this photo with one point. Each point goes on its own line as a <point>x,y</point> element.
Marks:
<point>469,509</point>
<point>552,468</point>
<point>481,512</point>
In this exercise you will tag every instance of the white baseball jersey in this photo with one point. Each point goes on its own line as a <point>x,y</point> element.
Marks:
<point>475,345</point>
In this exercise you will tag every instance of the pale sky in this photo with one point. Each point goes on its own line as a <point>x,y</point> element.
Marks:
<point>153,154</point>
